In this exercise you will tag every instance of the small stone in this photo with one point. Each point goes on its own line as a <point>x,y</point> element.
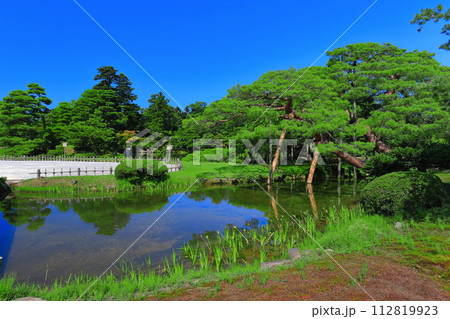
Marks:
<point>294,253</point>
<point>273,264</point>
<point>73,181</point>
<point>305,252</point>
<point>398,225</point>
<point>30,299</point>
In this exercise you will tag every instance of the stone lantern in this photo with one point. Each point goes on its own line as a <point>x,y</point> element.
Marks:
<point>168,151</point>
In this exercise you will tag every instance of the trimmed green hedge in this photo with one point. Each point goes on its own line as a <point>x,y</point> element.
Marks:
<point>406,193</point>
<point>137,173</point>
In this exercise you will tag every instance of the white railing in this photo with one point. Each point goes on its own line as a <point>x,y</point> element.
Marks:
<point>76,172</point>
<point>172,166</point>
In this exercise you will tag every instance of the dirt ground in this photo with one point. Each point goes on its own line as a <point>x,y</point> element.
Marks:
<point>383,278</point>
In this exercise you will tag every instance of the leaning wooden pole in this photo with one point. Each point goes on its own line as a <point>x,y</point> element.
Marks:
<point>276,158</point>
<point>312,200</point>
<point>312,169</point>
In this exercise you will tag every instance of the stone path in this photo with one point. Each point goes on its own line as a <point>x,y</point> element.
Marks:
<point>18,170</point>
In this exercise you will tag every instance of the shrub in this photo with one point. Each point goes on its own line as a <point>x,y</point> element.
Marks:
<point>399,159</point>
<point>294,170</point>
<point>406,193</point>
<point>433,156</point>
<point>137,173</point>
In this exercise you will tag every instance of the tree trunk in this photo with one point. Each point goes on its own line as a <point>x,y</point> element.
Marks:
<point>270,138</point>
<point>339,168</point>
<point>312,200</point>
<point>276,158</point>
<point>380,147</point>
<point>349,159</point>
<point>312,169</point>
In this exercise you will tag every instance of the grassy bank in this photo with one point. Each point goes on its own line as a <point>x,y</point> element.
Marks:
<point>210,170</point>
<point>234,256</point>
<point>108,183</point>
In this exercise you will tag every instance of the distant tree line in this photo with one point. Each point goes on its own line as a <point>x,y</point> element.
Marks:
<point>99,121</point>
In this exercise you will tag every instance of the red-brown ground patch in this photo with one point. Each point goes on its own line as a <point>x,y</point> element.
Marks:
<point>385,279</point>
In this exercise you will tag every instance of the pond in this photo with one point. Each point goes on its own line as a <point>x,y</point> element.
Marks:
<point>43,238</point>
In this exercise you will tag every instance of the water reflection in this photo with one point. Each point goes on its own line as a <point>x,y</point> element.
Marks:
<point>73,235</point>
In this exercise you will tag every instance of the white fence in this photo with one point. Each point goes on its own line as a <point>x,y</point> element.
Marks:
<point>69,172</point>
<point>94,171</point>
<point>171,167</point>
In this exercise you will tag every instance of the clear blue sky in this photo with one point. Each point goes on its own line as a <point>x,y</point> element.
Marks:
<point>195,49</point>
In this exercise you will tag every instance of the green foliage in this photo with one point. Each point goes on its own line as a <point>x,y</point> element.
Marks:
<point>160,116</point>
<point>294,170</point>
<point>399,159</point>
<point>121,86</point>
<point>434,15</point>
<point>403,193</point>
<point>195,108</point>
<point>23,129</point>
<point>139,172</point>
<point>433,156</point>
<point>94,122</point>
<point>400,95</point>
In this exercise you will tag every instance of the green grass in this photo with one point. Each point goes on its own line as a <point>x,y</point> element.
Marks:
<point>444,176</point>
<point>210,170</point>
<point>427,245</point>
<point>64,185</point>
<point>352,231</point>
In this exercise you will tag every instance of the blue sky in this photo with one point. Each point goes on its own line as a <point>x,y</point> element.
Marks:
<point>195,49</point>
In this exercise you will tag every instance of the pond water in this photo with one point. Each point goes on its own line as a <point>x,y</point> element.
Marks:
<point>44,238</point>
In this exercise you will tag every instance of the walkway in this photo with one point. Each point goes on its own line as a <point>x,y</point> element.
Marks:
<point>20,170</point>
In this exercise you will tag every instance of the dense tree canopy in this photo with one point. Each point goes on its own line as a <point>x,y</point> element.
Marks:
<point>104,117</point>
<point>160,116</point>
<point>370,98</point>
<point>23,121</point>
